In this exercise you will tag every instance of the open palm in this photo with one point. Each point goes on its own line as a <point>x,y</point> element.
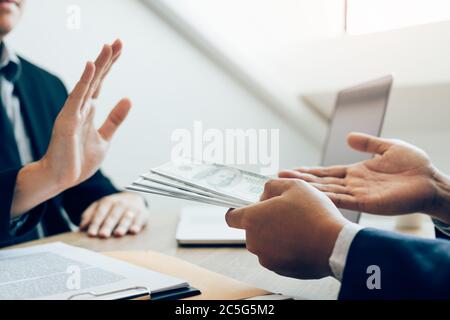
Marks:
<point>77,148</point>
<point>398,180</point>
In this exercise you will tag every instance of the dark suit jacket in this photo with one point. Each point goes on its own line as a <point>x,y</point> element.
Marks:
<point>42,96</point>
<point>410,267</point>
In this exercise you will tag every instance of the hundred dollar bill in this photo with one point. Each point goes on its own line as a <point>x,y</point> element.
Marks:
<point>150,179</point>
<point>237,184</point>
<point>205,200</point>
<point>174,191</point>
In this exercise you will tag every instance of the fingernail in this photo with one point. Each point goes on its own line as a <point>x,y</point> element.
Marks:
<point>93,229</point>
<point>119,233</point>
<point>105,234</point>
<point>92,234</point>
<point>134,230</point>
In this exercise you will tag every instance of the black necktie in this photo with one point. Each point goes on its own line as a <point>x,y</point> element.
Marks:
<point>9,154</point>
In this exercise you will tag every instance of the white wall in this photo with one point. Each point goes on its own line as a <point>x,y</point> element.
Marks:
<point>170,82</point>
<point>249,37</point>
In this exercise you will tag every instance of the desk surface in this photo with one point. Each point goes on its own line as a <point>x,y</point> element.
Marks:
<point>234,262</point>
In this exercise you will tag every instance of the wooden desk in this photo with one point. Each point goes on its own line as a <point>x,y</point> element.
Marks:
<point>233,262</point>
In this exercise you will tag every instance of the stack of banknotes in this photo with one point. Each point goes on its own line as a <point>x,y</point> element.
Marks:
<point>203,182</point>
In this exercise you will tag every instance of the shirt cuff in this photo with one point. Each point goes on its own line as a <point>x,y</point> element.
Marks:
<point>443,227</point>
<point>341,248</point>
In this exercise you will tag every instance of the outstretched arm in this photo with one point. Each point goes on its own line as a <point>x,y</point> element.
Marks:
<point>400,179</point>
<point>296,231</point>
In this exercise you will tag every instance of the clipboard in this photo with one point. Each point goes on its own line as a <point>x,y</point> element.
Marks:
<point>105,278</point>
<point>213,286</point>
<point>139,293</point>
<point>131,293</point>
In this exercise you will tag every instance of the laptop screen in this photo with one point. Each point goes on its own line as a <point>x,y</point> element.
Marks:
<point>361,109</point>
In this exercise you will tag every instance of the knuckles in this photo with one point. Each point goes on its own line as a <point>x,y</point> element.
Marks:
<point>250,221</point>
<point>268,186</point>
<point>129,215</point>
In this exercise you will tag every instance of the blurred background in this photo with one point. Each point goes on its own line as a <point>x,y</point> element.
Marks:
<point>262,64</point>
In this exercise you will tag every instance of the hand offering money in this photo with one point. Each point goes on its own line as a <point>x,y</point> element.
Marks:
<point>213,184</point>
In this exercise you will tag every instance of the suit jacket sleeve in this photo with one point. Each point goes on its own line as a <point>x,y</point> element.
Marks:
<point>410,268</point>
<point>7,186</point>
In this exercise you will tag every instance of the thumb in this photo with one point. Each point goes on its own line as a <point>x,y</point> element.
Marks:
<point>115,119</point>
<point>367,143</point>
<point>238,218</point>
<point>234,218</point>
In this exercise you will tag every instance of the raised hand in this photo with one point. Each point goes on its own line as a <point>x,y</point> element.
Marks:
<point>400,179</point>
<point>77,148</point>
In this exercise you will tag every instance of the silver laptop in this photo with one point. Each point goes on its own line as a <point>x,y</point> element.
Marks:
<point>362,109</point>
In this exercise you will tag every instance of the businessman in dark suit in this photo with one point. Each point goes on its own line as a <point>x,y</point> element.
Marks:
<point>297,231</point>
<point>50,151</point>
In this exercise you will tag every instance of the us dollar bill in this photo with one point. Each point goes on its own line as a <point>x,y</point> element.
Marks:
<point>236,184</point>
<point>153,180</point>
<point>206,200</point>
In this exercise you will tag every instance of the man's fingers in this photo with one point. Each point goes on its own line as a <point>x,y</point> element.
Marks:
<point>77,96</point>
<point>115,119</point>
<point>99,216</point>
<point>288,174</point>
<point>332,171</point>
<point>139,223</point>
<point>87,216</point>
<point>117,47</point>
<point>293,174</point>
<point>333,188</point>
<point>111,221</point>
<point>367,143</point>
<point>116,53</point>
<point>124,224</point>
<point>344,201</point>
<point>276,187</point>
<point>101,64</point>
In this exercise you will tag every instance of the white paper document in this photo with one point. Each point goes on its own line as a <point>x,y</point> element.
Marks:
<point>58,271</point>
